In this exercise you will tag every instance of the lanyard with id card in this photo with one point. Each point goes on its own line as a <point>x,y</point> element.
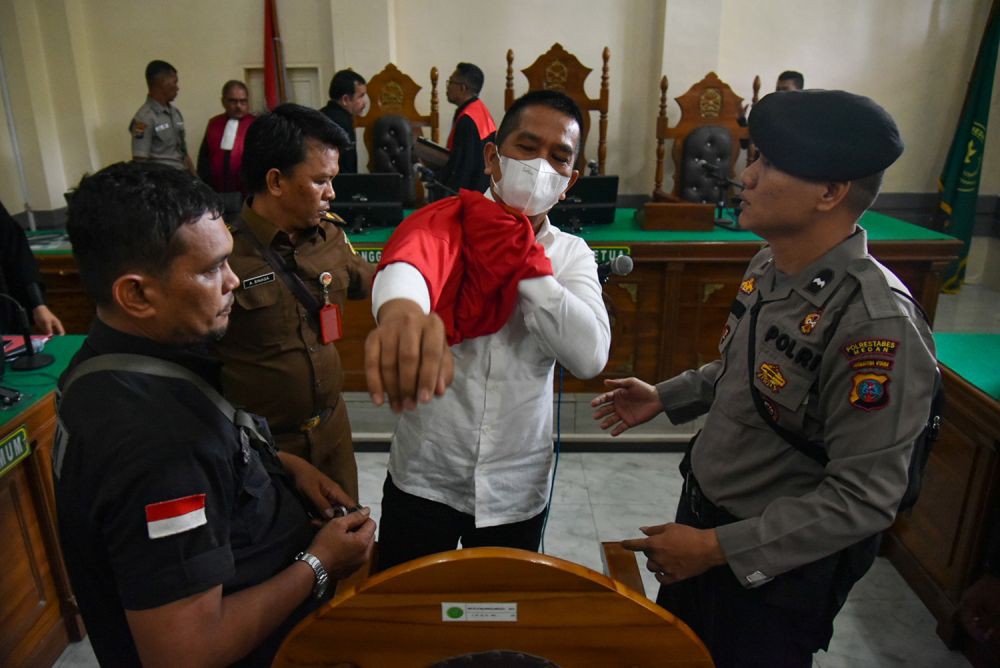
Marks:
<point>330,323</point>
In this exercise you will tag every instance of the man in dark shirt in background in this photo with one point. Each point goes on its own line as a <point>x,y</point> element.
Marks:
<point>348,98</point>
<point>20,280</point>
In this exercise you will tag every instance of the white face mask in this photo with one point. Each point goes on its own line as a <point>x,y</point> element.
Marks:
<point>530,186</point>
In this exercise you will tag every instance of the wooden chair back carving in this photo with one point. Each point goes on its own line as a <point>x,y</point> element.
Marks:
<point>393,92</point>
<point>558,69</point>
<point>410,615</point>
<point>709,102</point>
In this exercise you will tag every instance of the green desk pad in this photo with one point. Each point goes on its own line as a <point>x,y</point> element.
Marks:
<point>626,228</point>
<point>34,385</point>
<point>974,357</point>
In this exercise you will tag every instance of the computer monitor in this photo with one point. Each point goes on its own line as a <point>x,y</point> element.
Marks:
<point>368,200</point>
<point>591,201</point>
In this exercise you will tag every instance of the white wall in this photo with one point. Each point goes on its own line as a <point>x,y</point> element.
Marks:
<point>913,57</point>
<point>76,66</point>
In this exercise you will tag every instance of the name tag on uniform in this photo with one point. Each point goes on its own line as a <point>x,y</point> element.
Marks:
<point>161,126</point>
<point>258,280</point>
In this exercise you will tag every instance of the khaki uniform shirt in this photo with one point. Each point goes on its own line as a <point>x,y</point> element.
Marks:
<point>861,386</point>
<point>158,134</point>
<point>274,362</point>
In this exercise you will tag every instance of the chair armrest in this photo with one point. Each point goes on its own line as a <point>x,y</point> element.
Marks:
<point>621,565</point>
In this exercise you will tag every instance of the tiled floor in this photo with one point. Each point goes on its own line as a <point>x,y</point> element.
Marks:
<point>607,496</point>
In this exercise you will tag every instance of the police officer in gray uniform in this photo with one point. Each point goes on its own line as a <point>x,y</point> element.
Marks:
<point>157,129</point>
<point>824,347</point>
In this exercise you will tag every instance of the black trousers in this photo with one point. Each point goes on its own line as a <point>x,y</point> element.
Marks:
<point>779,624</point>
<point>412,527</point>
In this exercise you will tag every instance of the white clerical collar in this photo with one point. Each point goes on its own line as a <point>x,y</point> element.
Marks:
<point>229,134</point>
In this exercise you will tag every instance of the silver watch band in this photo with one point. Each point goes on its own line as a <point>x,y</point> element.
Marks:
<point>322,578</point>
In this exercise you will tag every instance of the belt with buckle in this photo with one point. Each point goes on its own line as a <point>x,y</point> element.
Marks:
<point>313,422</point>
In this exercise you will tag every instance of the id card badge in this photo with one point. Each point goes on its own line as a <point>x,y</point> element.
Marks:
<point>330,328</point>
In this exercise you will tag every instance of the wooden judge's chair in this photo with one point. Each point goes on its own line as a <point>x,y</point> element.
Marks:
<point>492,607</point>
<point>709,132</point>
<point>392,114</point>
<point>558,69</point>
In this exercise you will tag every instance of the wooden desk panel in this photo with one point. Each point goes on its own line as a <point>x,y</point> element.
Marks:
<point>939,545</point>
<point>39,614</point>
<point>667,315</point>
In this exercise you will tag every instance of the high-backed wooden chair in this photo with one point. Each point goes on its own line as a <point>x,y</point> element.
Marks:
<point>393,92</point>
<point>488,600</point>
<point>558,69</point>
<point>709,131</point>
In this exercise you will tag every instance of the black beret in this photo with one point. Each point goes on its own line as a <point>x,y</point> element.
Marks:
<point>825,135</point>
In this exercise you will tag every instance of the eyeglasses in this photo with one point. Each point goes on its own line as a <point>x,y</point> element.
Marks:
<point>234,100</point>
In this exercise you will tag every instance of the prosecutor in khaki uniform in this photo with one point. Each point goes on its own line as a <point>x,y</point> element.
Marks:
<point>157,128</point>
<point>823,346</point>
<point>296,270</point>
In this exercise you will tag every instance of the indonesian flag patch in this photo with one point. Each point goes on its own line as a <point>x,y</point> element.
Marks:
<point>176,516</point>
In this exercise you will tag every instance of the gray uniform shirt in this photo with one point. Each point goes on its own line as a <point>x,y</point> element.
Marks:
<point>861,386</point>
<point>158,134</point>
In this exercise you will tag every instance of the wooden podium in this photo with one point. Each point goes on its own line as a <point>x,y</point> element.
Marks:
<point>484,600</point>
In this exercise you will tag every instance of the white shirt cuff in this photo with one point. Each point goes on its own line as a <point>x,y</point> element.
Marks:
<point>400,280</point>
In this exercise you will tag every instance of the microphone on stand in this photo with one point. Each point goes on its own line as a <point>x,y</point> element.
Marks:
<point>618,266</point>
<point>430,179</point>
<point>30,360</point>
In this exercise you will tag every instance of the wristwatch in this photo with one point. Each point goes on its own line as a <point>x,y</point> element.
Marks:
<point>322,579</point>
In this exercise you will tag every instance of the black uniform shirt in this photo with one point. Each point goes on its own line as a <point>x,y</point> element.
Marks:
<point>135,441</point>
<point>340,116</point>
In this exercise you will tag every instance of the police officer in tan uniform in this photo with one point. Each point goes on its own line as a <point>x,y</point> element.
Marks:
<point>823,346</point>
<point>157,128</point>
<point>296,270</point>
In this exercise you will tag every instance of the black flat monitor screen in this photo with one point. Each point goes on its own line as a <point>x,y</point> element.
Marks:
<point>591,201</point>
<point>365,188</point>
<point>593,190</point>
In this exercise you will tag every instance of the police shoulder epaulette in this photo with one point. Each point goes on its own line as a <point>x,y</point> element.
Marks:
<point>878,288</point>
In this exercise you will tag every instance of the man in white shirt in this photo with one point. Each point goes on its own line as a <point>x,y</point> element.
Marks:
<point>474,466</point>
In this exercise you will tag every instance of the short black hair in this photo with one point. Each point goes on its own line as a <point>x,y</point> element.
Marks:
<point>864,191</point>
<point>125,218</point>
<point>471,76</point>
<point>233,83</point>
<point>277,140</point>
<point>793,76</point>
<point>344,82</point>
<point>156,69</point>
<point>540,98</point>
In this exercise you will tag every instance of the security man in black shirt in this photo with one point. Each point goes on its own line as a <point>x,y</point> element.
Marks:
<point>189,540</point>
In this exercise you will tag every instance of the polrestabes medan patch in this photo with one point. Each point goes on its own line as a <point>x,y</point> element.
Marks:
<point>258,280</point>
<point>873,346</point>
<point>870,391</point>
<point>725,333</point>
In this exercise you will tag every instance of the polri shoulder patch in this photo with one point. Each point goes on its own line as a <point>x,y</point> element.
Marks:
<point>748,286</point>
<point>138,129</point>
